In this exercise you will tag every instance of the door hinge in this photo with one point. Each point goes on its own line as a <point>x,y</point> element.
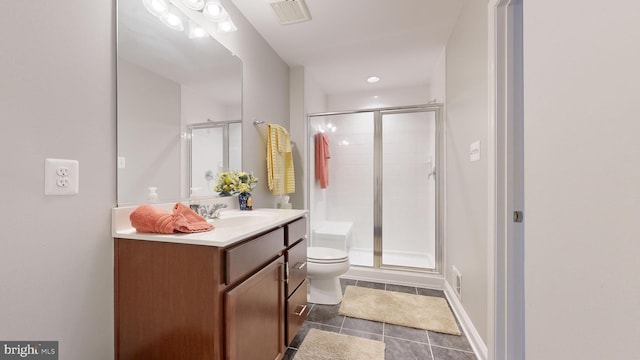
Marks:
<point>518,216</point>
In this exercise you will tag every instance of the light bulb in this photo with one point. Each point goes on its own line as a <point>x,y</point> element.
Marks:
<point>195,31</point>
<point>172,19</point>
<point>156,7</point>
<point>214,11</point>
<point>159,6</point>
<point>194,4</point>
<point>227,26</point>
<point>373,79</point>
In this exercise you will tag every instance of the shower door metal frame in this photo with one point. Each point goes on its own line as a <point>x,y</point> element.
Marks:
<point>378,185</point>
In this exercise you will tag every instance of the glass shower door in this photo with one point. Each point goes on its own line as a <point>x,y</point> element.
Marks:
<point>342,211</point>
<point>408,189</point>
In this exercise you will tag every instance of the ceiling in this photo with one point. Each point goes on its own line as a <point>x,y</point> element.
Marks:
<point>347,41</point>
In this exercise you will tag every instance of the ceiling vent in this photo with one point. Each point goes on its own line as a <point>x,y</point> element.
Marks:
<point>290,11</point>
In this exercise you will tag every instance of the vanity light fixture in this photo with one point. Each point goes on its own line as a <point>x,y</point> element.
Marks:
<point>156,7</point>
<point>373,79</point>
<point>196,5</point>
<point>173,19</point>
<point>196,31</point>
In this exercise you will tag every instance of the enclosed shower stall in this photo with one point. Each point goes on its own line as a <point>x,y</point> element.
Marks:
<point>380,200</point>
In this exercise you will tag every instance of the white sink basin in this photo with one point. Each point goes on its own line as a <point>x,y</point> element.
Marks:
<point>237,218</point>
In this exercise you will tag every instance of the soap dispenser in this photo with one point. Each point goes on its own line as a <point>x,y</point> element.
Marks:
<point>152,195</point>
<point>194,201</point>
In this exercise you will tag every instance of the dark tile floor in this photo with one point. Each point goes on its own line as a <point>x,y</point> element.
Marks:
<point>402,343</point>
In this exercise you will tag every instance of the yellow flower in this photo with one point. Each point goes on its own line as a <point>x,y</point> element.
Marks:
<point>235,182</point>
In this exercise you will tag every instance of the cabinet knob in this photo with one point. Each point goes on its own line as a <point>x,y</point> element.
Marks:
<point>300,266</point>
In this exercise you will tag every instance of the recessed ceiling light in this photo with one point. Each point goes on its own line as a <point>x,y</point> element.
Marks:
<point>373,79</point>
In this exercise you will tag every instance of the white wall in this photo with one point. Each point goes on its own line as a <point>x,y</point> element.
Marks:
<point>57,97</point>
<point>438,84</point>
<point>379,98</point>
<point>466,192</point>
<point>582,176</point>
<point>315,101</point>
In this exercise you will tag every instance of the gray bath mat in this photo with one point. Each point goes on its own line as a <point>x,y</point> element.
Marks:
<point>323,345</point>
<point>416,311</point>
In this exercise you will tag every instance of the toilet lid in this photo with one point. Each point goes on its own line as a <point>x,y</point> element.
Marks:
<point>326,255</point>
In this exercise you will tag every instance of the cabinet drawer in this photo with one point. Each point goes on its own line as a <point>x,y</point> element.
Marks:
<point>249,256</point>
<point>295,231</point>
<point>297,262</point>
<point>297,311</point>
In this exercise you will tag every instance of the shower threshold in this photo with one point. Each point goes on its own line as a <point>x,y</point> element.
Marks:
<point>364,257</point>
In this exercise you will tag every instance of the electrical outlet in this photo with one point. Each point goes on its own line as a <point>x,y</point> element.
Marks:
<point>457,282</point>
<point>63,182</point>
<point>62,171</point>
<point>474,151</point>
<point>61,177</point>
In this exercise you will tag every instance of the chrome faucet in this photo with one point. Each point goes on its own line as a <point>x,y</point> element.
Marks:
<point>215,210</point>
<point>210,213</point>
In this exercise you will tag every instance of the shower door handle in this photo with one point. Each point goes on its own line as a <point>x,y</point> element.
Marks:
<point>518,216</point>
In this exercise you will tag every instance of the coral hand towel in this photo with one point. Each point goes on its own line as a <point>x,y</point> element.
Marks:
<point>188,221</point>
<point>280,174</point>
<point>322,159</point>
<point>148,219</point>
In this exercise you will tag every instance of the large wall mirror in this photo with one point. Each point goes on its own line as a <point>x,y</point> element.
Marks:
<point>168,80</point>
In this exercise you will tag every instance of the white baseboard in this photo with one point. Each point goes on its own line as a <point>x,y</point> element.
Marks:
<point>397,277</point>
<point>478,346</point>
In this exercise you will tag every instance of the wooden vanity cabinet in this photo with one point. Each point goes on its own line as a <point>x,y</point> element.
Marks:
<point>185,301</point>
<point>296,283</point>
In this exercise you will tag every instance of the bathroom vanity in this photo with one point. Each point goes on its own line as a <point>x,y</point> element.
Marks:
<point>236,292</point>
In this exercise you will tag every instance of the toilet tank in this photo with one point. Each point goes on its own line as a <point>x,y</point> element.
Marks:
<point>333,234</point>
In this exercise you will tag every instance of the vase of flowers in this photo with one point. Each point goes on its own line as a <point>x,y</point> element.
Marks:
<point>236,182</point>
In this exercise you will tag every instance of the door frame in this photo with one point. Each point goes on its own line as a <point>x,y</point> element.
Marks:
<point>506,321</point>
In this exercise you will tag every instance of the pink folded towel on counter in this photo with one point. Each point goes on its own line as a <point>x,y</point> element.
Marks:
<point>148,219</point>
<point>188,221</point>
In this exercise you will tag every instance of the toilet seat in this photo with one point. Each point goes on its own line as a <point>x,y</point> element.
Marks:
<point>322,255</point>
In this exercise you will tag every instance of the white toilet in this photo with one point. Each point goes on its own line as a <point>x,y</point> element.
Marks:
<point>324,266</point>
<point>327,259</point>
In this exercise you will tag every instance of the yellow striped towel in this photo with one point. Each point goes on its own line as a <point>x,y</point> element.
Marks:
<point>280,175</point>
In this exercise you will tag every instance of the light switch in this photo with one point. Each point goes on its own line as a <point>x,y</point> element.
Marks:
<point>474,151</point>
<point>122,162</point>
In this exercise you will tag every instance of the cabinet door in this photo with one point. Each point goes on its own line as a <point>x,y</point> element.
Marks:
<point>297,311</point>
<point>254,314</point>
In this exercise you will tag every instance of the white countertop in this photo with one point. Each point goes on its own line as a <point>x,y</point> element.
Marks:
<point>220,236</point>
